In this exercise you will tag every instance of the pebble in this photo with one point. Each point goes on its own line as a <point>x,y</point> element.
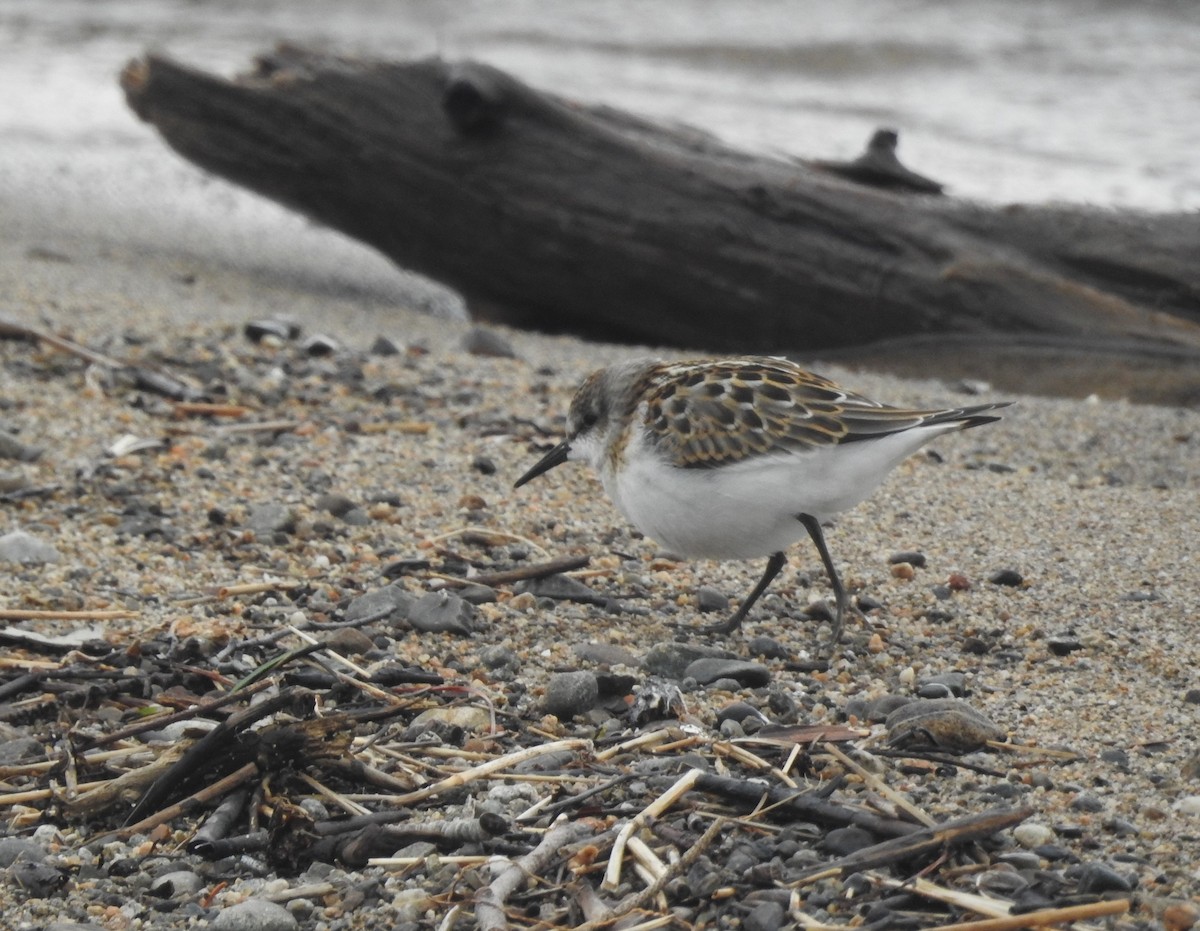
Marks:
<point>709,669</point>
<point>841,842</point>
<point>271,518</point>
<point>1192,696</point>
<point>38,880</point>
<point>671,659</point>
<point>12,480</point>
<point>571,693</point>
<point>1063,646</point>
<point>390,602</point>
<point>18,750</point>
<point>1094,878</point>
<point>710,601</point>
<point>441,612</point>
<point>561,588</point>
<point>384,346</point>
<point>176,884</point>
<point>912,557</point>
<point>1006,577</point>
<point>477,594</point>
<point>483,341</point>
<point>946,723</point>
<point>1087,803</point>
<point>13,448</point>
<point>1188,805</point>
<point>767,647</point>
<point>472,718</point>
<point>943,685</point>
<point>1180,916</point>
<point>335,504</point>
<point>254,915</point>
<point>1030,834</point>
<point>769,916</point>
<point>14,849</point>
<point>21,547</point>
<point>604,654</point>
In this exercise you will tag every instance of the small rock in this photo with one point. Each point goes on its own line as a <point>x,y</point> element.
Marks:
<point>604,654</point>
<point>12,480</point>
<point>390,602</point>
<point>946,723</point>
<point>707,670</point>
<point>472,718</point>
<point>484,465</point>
<point>176,884</point>
<point>1087,803</point>
<point>739,711</point>
<point>561,588</point>
<point>13,448</point>
<point>1192,697</point>
<point>19,750</point>
<point>335,504</point>
<point>766,647</point>
<point>1096,878</point>
<point>271,518</point>
<point>943,685</point>
<point>709,600</point>
<point>912,557</point>
<point>477,594</point>
<point>482,341</point>
<point>1031,834</point>
<point>976,646</point>
<point>841,842</point>
<point>1063,646</point>
<point>957,582</point>
<point>14,849</point>
<point>254,915</point>
<point>768,916</point>
<point>500,657</point>
<point>21,547</point>
<point>274,329</point>
<point>441,612</point>
<point>571,693</point>
<point>383,346</point>
<point>671,659</point>
<point>1180,916</point>
<point>1188,805</point>
<point>37,880</point>
<point>320,345</point>
<point>1006,577</point>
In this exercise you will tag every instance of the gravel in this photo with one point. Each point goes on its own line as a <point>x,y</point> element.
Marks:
<point>1056,588</point>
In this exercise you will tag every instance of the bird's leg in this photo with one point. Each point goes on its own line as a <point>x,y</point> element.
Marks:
<point>813,526</point>
<point>774,567</point>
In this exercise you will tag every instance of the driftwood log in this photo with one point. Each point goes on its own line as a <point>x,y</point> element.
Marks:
<point>548,214</point>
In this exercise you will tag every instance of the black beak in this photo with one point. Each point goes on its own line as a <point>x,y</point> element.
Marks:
<point>556,456</point>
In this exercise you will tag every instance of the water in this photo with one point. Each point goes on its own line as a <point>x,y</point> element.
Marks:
<point>1095,102</point>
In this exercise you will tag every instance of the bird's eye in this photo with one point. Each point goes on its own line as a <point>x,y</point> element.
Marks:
<point>588,420</point>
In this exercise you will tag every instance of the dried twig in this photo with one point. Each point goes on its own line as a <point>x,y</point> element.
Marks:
<point>98,614</point>
<point>924,841</point>
<point>489,900</point>
<point>1043,917</point>
<point>685,783</point>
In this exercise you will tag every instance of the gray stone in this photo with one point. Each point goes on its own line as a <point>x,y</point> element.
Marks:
<point>946,723</point>
<point>604,654</point>
<point>709,669</point>
<point>709,600</point>
<point>270,518</point>
<point>13,448</point>
<point>19,750</point>
<point>769,916</point>
<point>390,602</point>
<point>672,659</point>
<point>254,915</point>
<point>176,884</point>
<point>441,612</point>
<point>22,547</point>
<point>14,849</point>
<point>571,693</point>
<point>482,341</point>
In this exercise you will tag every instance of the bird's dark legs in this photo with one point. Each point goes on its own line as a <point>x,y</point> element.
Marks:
<point>813,526</point>
<point>774,567</point>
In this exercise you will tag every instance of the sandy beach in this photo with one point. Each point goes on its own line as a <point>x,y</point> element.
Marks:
<point>1088,509</point>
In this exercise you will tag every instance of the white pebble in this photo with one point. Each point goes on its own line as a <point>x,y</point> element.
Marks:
<point>1032,835</point>
<point>1189,805</point>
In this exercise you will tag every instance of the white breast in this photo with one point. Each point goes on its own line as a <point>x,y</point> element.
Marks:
<point>748,509</point>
